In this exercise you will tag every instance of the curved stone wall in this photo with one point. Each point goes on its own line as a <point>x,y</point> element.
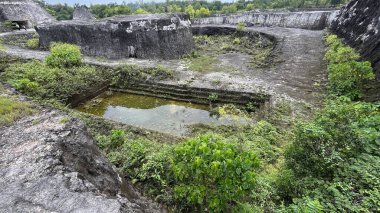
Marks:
<point>165,36</point>
<point>314,20</point>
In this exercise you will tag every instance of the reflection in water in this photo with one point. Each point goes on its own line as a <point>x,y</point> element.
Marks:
<point>152,113</point>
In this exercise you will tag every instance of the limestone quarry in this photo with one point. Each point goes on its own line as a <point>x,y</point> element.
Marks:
<point>147,84</point>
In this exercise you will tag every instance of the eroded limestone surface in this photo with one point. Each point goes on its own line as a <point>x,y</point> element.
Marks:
<point>49,163</point>
<point>165,36</point>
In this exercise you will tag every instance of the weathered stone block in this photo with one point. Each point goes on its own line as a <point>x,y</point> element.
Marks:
<point>166,36</point>
<point>83,13</point>
<point>25,11</point>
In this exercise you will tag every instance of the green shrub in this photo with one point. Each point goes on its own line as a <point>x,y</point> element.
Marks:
<point>306,205</point>
<point>33,43</point>
<point>237,41</point>
<point>64,56</point>
<point>334,136</point>
<point>263,139</point>
<point>144,161</point>
<point>41,81</point>
<point>212,174</point>
<point>241,26</point>
<point>346,74</point>
<point>8,24</point>
<point>335,159</point>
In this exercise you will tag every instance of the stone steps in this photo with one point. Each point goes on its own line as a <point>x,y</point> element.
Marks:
<point>193,94</point>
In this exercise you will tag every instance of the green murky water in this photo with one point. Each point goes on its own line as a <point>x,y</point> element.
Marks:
<point>163,115</point>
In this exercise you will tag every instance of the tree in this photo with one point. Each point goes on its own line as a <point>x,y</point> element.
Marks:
<point>190,10</point>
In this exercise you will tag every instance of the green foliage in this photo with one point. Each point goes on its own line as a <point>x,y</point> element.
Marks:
<point>8,24</point>
<point>241,27</point>
<point>41,81</point>
<point>229,8</point>
<point>346,73</point>
<point>250,7</point>
<point>334,136</point>
<point>307,205</point>
<point>108,10</point>
<point>208,48</point>
<point>141,11</point>
<point>64,56</point>
<point>264,140</point>
<point>202,12</point>
<point>213,97</point>
<point>237,41</point>
<point>33,43</point>
<point>210,173</point>
<point>144,161</point>
<point>190,11</point>
<point>133,72</point>
<point>334,157</point>
<point>11,110</point>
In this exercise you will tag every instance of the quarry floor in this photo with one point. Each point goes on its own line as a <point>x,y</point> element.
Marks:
<point>298,75</point>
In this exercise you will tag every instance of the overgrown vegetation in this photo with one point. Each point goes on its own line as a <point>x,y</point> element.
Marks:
<point>12,110</point>
<point>208,48</point>
<point>332,158</point>
<point>134,72</point>
<point>33,43</point>
<point>20,40</point>
<point>60,77</point>
<point>346,73</point>
<point>329,163</point>
<point>326,164</point>
<point>210,171</point>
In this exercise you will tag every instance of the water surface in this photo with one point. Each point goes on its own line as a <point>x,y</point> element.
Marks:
<point>163,115</point>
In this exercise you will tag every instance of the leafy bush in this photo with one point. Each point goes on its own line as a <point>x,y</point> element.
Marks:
<point>241,26</point>
<point>144,161</point>
<point>212,174</point>
<point>64,56</point>
<point>202,12</point>
<point>33,43</point>
<point>334,136</point>
<point>41,81</point>
<point>334,157</point>
<point>346,73</point>
<point>263,139</point>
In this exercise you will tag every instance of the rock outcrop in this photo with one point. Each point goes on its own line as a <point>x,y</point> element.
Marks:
<point>83,13</point>
<point>50,164</point>
<point>312,20</point>
<point>26,11</point>
<point>163,36</point>
<point>358,23</point>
